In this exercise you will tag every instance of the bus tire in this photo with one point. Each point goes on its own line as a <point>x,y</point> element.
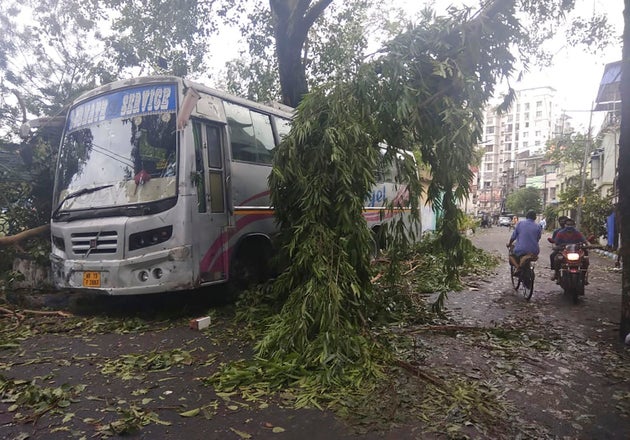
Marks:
<point>379,242</point>
<point>251,262</point>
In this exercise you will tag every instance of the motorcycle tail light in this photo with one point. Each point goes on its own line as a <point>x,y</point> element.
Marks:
<point>573,256</point>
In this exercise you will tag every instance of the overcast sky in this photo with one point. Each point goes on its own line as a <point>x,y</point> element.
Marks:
<point>575,73</point>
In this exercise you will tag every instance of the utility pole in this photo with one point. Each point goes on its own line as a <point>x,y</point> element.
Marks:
<point>587,152</point>
<point>624,176</point>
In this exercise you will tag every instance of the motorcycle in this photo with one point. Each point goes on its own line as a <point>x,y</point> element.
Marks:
<point>571,264</point>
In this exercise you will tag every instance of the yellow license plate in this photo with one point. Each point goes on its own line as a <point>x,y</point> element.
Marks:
<point>91,279</point>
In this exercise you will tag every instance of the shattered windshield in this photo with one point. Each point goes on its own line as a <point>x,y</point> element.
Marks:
<point>123,144</point>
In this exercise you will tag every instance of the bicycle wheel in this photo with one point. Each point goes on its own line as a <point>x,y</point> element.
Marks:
<point>527,281</point>
<point>516,280</point>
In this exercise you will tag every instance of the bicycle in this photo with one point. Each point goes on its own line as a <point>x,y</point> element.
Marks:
<point>524,280</point>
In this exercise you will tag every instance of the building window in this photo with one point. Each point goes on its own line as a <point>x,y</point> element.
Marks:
<point>526,106</point>
<point>525,144</point>
<point>490,129</point>
<point>508,146</point>
<point>538,104</point>
<point>489,148</point>
<point>539,114</point>
<point>489,166</point>
<point>526,116</point>
<point>537,133</point>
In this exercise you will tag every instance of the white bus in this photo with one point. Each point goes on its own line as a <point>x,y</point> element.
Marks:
<point>161,185</point>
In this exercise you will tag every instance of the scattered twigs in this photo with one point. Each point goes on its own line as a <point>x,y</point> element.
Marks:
<point>420,373</point>
<point>376,277</point>
<point>447,329</point>
<point>13,313</point>
<point>21,315</point>
<point>412,269</point>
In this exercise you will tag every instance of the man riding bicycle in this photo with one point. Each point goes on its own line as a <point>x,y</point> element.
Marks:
<point>526,234</point>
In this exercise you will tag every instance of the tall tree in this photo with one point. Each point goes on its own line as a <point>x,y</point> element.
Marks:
<point>335,47</point>
<point>291,22</point>
<point>523,200</point>
<point>624,176</point>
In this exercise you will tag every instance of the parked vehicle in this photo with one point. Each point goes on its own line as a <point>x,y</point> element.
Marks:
<point>572,265</point>
<point>162,185</point>
<point>505,220</point>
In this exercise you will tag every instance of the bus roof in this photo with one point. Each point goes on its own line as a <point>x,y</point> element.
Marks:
<point>270,108</point>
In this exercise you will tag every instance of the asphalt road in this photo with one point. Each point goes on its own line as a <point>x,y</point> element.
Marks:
<point>567,377</point>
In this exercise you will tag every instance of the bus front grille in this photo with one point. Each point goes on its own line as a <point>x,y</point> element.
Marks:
<point>87,243</point>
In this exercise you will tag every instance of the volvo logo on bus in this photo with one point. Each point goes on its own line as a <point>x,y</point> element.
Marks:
<point>93,244</point>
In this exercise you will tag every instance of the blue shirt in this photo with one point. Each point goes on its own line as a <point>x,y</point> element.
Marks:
<point>527,234</point>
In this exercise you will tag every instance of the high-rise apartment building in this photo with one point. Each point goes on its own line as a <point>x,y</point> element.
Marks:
<point>514,143</point>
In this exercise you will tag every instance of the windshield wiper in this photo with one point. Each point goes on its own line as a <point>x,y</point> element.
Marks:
<point>78,193</point>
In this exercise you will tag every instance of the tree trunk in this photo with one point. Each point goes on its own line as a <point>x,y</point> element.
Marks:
<point>292,20</point>
<point>624,176</point>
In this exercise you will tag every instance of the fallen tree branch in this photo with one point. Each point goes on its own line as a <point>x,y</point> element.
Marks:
<point>14,240</point>
<point>6,311</point>
<point>49,313</point>
<point>20,315</point>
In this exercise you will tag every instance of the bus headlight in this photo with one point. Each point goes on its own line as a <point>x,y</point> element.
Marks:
<point>143,275</point>
<point>59,243</point>
<point>149,238</point>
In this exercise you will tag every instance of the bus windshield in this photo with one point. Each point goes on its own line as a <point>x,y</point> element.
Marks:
<point>118,150</point>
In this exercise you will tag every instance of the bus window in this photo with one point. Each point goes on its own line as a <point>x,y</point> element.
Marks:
<point>251,135</point>
<point>214,147</point>
<point>199,169</point>
<point>216,191</point>
<point>215,165</point>
<point>264,137</point>
<point>283,127</point>
<point>242,138</point>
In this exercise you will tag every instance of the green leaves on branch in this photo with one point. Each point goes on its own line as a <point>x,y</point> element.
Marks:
<point>425,93</point>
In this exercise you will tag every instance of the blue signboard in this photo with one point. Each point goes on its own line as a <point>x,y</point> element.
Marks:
<point>127,103</point>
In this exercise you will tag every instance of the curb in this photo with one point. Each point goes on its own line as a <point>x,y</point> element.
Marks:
<point>612,255</point>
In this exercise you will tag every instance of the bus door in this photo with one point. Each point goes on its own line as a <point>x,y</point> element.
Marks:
<point>211,218</point>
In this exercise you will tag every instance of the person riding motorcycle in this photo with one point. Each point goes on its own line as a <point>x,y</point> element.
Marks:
<point>526,234</point>
<point>552,257</point>
<point>567,235</point>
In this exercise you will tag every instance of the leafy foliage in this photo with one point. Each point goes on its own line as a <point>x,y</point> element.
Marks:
<point>595,207</point>
<point>523,200</point>
<point>419,94</point>
<point>37,400</point>
<point>132,366</point>
<point>569,149</point>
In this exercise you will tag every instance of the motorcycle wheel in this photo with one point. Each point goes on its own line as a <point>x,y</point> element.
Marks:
<point>575,295</point>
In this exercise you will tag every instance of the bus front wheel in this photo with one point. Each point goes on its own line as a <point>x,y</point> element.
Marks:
<point>250,265</point>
